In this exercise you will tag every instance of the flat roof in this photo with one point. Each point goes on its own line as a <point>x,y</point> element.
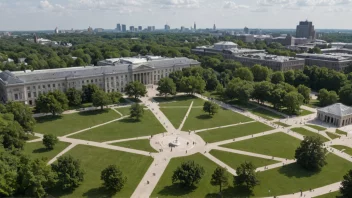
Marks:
<point>263,56</point>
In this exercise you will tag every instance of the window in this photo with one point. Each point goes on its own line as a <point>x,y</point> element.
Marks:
<point>35,94</point>
<point>48,85</point>
<point>28,88</point>
<point>112,78</point>
<point>91,81</point>
<point>29,95</point>
<point>82,81</point>
<point>96,80</point>
<point>54,85</point>
<point>16,96</point>
<point>43,86</point>
<point>30,102</point>
<point>33,87</point>
<point>87,81</point>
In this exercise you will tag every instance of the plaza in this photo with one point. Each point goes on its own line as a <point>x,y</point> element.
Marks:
<point>175,130</point>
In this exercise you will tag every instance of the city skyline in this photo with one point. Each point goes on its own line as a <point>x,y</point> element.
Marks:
<point>273,14</point>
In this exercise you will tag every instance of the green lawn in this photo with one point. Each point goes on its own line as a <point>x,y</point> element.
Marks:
<point>122,129</point>
<point>198,119</point>
<point>277,145</point>
<point>84,105</point>
<point>134,100</point>
<point>332,135</point>
<point>314,103</point>
<point>220,134</point>
<point>282,124</point>
<point>306,132</point>
<point>143,145</point>
<point>165,188</point>
<point>345,149</point>
<point>304,112</point>
<point>66,124</point>
<point>124,110</point>
<point>340,132</point>
<point>246,106</point>
<point>234,160</point>
<point>183,100</point>
<point>29,136</point>
<point>94,160</point>
<point>266,114</point>
<point>292,178</point>
<point>175,115</point>
<point>38,150</point>
<point>330,195</point>
<point>319,128</point>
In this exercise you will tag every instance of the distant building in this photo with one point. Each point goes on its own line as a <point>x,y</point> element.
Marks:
<point>167,27</point>
<point>140,28</point>
<point>305,29</point>
<point>118,27</point>
<point>337,114</point>
<point>246,30</point>
<point>98,30</point>
<point>247,38</point>
<point>214,27</point>
<point>124,28</point>
<point>131,28</point>
<point>56,30</point>
<point>195,26</point>
<point>182,28</point>
<point>90,29</point>
<point>336,61</point>
<point>225,45</point>
<point>153,28</point>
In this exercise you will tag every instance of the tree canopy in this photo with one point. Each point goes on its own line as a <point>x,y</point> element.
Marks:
<point>135,89</point>
<point>311,154</point>
<point>188,174</point>
<point>166,86</point>
<point>113,178</point>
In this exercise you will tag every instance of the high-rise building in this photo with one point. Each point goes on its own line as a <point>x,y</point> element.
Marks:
<point>56,30</point>
<point>246,30</point>
<point>124,28</point>
<point>167,27</point>
<point>195,26</point>
<point>214,27</point>
<point>305,29</point>
<point>153,28</point>
<point>140,28</point>
<point>182,28</point>
<point>131,28</point>
<point>149,28</point>
<point>118,27</point>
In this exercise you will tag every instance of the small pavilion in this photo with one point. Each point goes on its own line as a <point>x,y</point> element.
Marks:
<point>337,114</point>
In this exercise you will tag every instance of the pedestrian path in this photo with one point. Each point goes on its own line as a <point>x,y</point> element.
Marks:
<point>62,153</point>
<point>186,116</point>
<point>220,163</point>
<point>129,139</point>
<point>226,126</point>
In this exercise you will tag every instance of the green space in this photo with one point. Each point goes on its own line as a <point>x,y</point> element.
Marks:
<point>227,133</point>
<point>245,106</point>
<point>183,100</point>
<point>345,149</point>
<point>29,136</point>
<point>330,195</point>
<point>38,150</point>
<point>69,123</point>
<point>198,119</point>
<point>266,114</point>
<point>304,112</point>
<point>94,160</point>
<point>165,187</point>
<point>306,132</point>
<point>234,160</point>
<point>332,135</point>
<point>341,132</point>
<point>123,129</point>
<point>212,94</point>
<point>292,178</point>
<point>124,110</point>
<point>134,100</point>
<point>319,128</point>
<point>277,145</point>
<point>282,124</point>
<point>175,115</point>
<point>314,103</point>
<point>143,145</point>
<point>84,105</point>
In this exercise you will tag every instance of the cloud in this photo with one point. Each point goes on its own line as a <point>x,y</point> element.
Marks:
<point>47,6</point>
<point>105,4</point>
<point>260,9</point>
<point>233,5</point>
<point>169,4</point>
<point>274,2</point>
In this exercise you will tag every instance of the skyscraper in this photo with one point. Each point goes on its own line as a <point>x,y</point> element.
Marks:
<point>123,28</point>
<point>118,27</point>
<point>214,27</point>
<point>195,26</point>
<point>246,30</point>
<point>305,29</point>
<point>56,30</point>
<point>140,28</point>
<point>167,27</point>
<point>153,28</point>
<point>131,28</point>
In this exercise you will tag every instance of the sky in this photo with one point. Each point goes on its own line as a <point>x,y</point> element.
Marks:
<point>264,14</point>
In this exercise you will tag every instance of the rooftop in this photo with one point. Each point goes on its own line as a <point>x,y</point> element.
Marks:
<point>327,56</point>
<point>226,43</point>
<point>337,109</point>
<point>268,57</point>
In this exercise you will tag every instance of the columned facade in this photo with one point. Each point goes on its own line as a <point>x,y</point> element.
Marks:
<point>337,114</point>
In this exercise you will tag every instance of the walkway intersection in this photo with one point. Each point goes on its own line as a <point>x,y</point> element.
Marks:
<point>177,143</point>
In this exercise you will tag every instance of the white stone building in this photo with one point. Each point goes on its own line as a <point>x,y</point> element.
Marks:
<point>337,114</point>
<point>26,86</point>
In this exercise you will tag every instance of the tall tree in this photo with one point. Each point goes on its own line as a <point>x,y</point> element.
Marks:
<point>289,77</point>
<point>277,77</point>
<point>11,132</point>
<point>188,174</point>
<point>48,103</point>
<point>113,178</point>
<point>135,89</point>
<point>210,108</point>
<point>305,92</point>
<point>100,99</point>
<point>49,141</point>
<point>88,91</point>
<point>192,84</point>
<point>260,73</point>
<point>220,178</point>
<point>74,97</point>
<point>293,101</point>
<point>115,97</point>
<point>166,86</point>
<point>69,171</point>
<point>262,91</point>
<point>345,94</point>
<point>311,154</point>
<point>22,114</point>
<point>346,185</point>
<point>244,73</point>
<point>136,111</point>
<point>326,97</point>
<point>176,76</point>
<point>246,175</point>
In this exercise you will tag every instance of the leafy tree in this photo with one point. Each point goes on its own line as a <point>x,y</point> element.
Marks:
<point>239,89</point>
<point>115,97</point>
<point>300,78</point>
<point>210,108</point>
<point>305,92</point>
<point>22,114</point>
<point>345,94</point>
<point>260,73</point>
<point>326,97</point>
<point>188,174</point>
<point>346,185</point>
<point>293,101</point>
<point>246,175</point>
<point>100,99</point>
<point>8,171</point>
<point>192,84</point>
<point>289,77</point>
<point>53,102</point>
<point>135,89</point>
<point>88,91</point>
<point>220,89</point>
<point>136,111</point>
<point>176,76</point>
<point>113,178</point>
<point>277,77</point>
<point>277,97</point>
<point>74,97</point>
<point>220,178</point>
<point>49,141</point>
<point>262,91</point>
<point>244,73</point>
<point>311,154</point>
<point>11,132</point>
<point>69,171</point>
<point>166,86</point>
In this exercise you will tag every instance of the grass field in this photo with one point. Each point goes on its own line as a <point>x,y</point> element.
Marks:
<point>29,136</point>
<point>84,105</point>
<point>234,160</point>
<point>220,134</point>
<point>266,114</point>
<point>282,124</point>
<point>183,100</point>
<point>345,149</point>
<point>122,129</point>
<point>330,195</point>
<point>38,150</point>
<point>143,145</point>
<point>94,160</point>
<point>277,145</point>
<point>175,115</point>
<point>314,103</point>
<point>198,119</point>
<point>66,124</point>
<point>306,132</point>
<point>340,132</point>
<point>165,188</point>
<point>332,135</point>
<point>291,178</point>
<point>124,110</point>
<point>304,112</point>
<point>319,128</point>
